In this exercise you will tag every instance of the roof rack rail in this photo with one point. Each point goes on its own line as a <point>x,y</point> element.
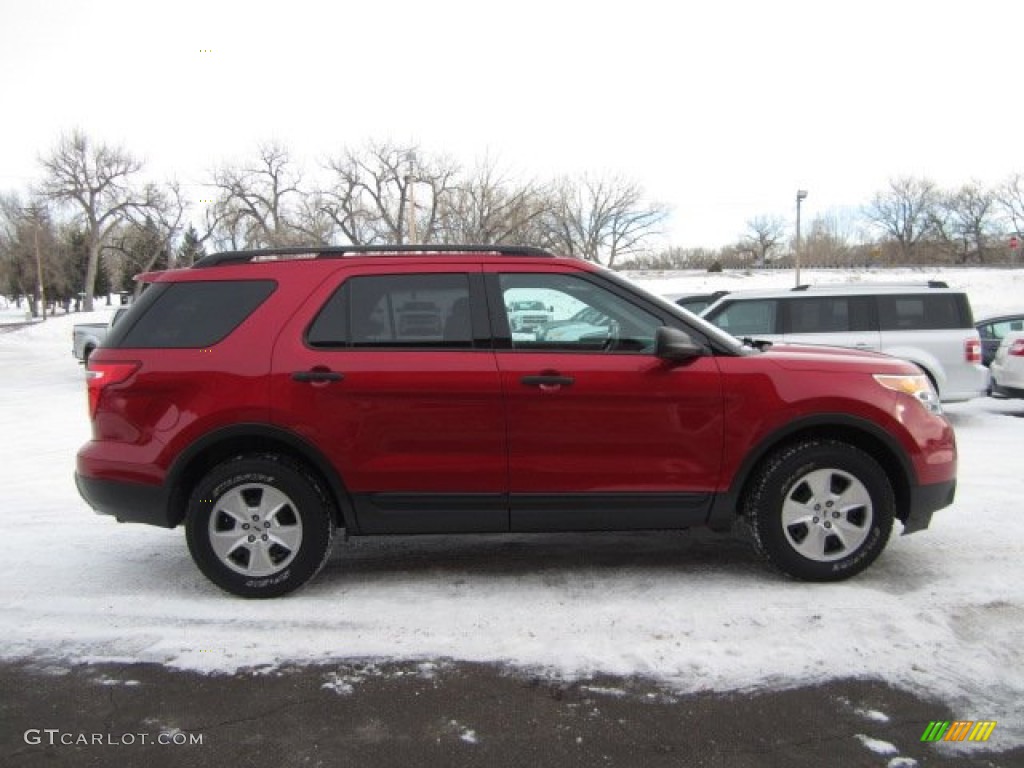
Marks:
<point>340,251</point>
<point>868,286</point>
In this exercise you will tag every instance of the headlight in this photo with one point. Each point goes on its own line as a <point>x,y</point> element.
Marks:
<point>917,386</point>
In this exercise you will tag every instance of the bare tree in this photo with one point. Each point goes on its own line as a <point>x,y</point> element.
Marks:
<point>764,233</point>
<point>488,208</point>
<point>905,213</point>
<point>100,182</point>
<point>28,264</point>
<point>602,219</point>
<point>148,237</point>
<point>256,201</point>
<point>964,221</point>
<point>1010,198</point>
<point>388,194</point>
<point>827,242</point>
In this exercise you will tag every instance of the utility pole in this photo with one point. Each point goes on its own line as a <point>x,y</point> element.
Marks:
<point>801,195</point>
<point>34,212</point>
<point>410,185</point>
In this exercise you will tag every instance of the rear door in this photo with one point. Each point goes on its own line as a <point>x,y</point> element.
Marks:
<point>838,321</point>
<point>602,434</point>
<point>389,373</point>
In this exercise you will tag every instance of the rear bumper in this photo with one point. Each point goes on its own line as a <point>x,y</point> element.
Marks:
<point>925,500</point>
<point>128,502</point>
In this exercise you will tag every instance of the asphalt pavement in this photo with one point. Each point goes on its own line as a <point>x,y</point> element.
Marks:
<point>443,713</point>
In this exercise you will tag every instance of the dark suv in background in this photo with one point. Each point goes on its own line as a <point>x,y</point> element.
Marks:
<point>265,399</point>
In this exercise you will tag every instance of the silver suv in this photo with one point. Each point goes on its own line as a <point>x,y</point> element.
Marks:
<point>929,324</point>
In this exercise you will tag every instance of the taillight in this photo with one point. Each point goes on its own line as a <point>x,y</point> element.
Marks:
<point>101,375</point>
<point>1016,348</point>
<point>972,351</point>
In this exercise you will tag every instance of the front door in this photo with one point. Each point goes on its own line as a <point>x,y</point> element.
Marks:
<point>602,434</point>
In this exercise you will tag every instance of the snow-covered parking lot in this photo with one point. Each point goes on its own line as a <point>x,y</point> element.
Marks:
<point>941,612</point>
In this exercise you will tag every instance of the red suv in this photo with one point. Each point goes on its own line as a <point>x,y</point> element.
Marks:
<point>267,398</point>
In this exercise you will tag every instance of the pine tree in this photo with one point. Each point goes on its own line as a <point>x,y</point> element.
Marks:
<point>191,248</point>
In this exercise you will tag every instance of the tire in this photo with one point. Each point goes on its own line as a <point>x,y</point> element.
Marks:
<point>259,526</point>
<point>820,510</point>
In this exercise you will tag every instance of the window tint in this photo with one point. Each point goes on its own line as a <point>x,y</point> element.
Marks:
<point>564,312</point>
<point>921,312</point>
<point>746,318</point>
<point>396,311</point>
<point>189,314</point>
<point>829,314</point>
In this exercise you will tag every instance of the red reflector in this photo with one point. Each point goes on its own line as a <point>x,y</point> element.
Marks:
<point>98,376</point>
<point>972,351</point>
<point>1016,348</point>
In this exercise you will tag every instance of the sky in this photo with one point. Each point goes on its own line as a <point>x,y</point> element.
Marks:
<point>939,613</point>
<point>720,110</point>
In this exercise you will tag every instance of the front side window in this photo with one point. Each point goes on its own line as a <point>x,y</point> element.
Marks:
<point>427,310</point>
<point>747,318</point>
<point>565,312</point>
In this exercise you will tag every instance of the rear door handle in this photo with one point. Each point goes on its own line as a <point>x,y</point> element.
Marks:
<point>548,381</point>
<point>317,376</point>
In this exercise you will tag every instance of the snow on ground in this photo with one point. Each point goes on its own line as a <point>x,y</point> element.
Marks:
<point>940,613</point>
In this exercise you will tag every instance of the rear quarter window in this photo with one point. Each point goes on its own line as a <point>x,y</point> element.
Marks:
<point>189,315</point>
<point>924,312</point>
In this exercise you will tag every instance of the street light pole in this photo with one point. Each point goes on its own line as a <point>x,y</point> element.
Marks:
<point>801,195</point>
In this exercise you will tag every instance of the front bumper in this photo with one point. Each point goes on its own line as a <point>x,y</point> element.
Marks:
<point>924,501</point>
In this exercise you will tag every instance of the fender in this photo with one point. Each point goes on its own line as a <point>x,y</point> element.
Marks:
<point>250,436</point>
<point>725,507</point>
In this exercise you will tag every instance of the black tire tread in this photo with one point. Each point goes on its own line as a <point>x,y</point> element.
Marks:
<point>757,507</point>
<point>238,464</point>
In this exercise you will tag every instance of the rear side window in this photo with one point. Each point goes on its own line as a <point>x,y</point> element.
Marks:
<point>430,310</point>
<point>189,314</point>
<point>744,318</point>
<point>923,312</point>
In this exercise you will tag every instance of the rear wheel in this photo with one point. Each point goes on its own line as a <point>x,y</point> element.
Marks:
<point>259,526</point>
<point>821,510</point>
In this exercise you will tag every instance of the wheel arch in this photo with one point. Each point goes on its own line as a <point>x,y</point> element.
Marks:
<point>861,433</point>
<point>222,444</point>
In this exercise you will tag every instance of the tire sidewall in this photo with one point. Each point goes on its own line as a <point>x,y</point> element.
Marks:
<point>778,483</point>
<point>308,502</point>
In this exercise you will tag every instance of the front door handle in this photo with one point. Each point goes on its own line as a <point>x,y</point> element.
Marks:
<point>317,376</point>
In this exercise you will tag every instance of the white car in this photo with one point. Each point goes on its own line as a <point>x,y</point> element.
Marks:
<point>1007,367</point>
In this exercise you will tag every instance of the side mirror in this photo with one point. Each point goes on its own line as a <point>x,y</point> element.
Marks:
<point>673,344</point>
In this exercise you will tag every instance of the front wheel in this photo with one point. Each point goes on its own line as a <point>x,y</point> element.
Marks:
<point>259,526</point>
<point>821,510</point>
